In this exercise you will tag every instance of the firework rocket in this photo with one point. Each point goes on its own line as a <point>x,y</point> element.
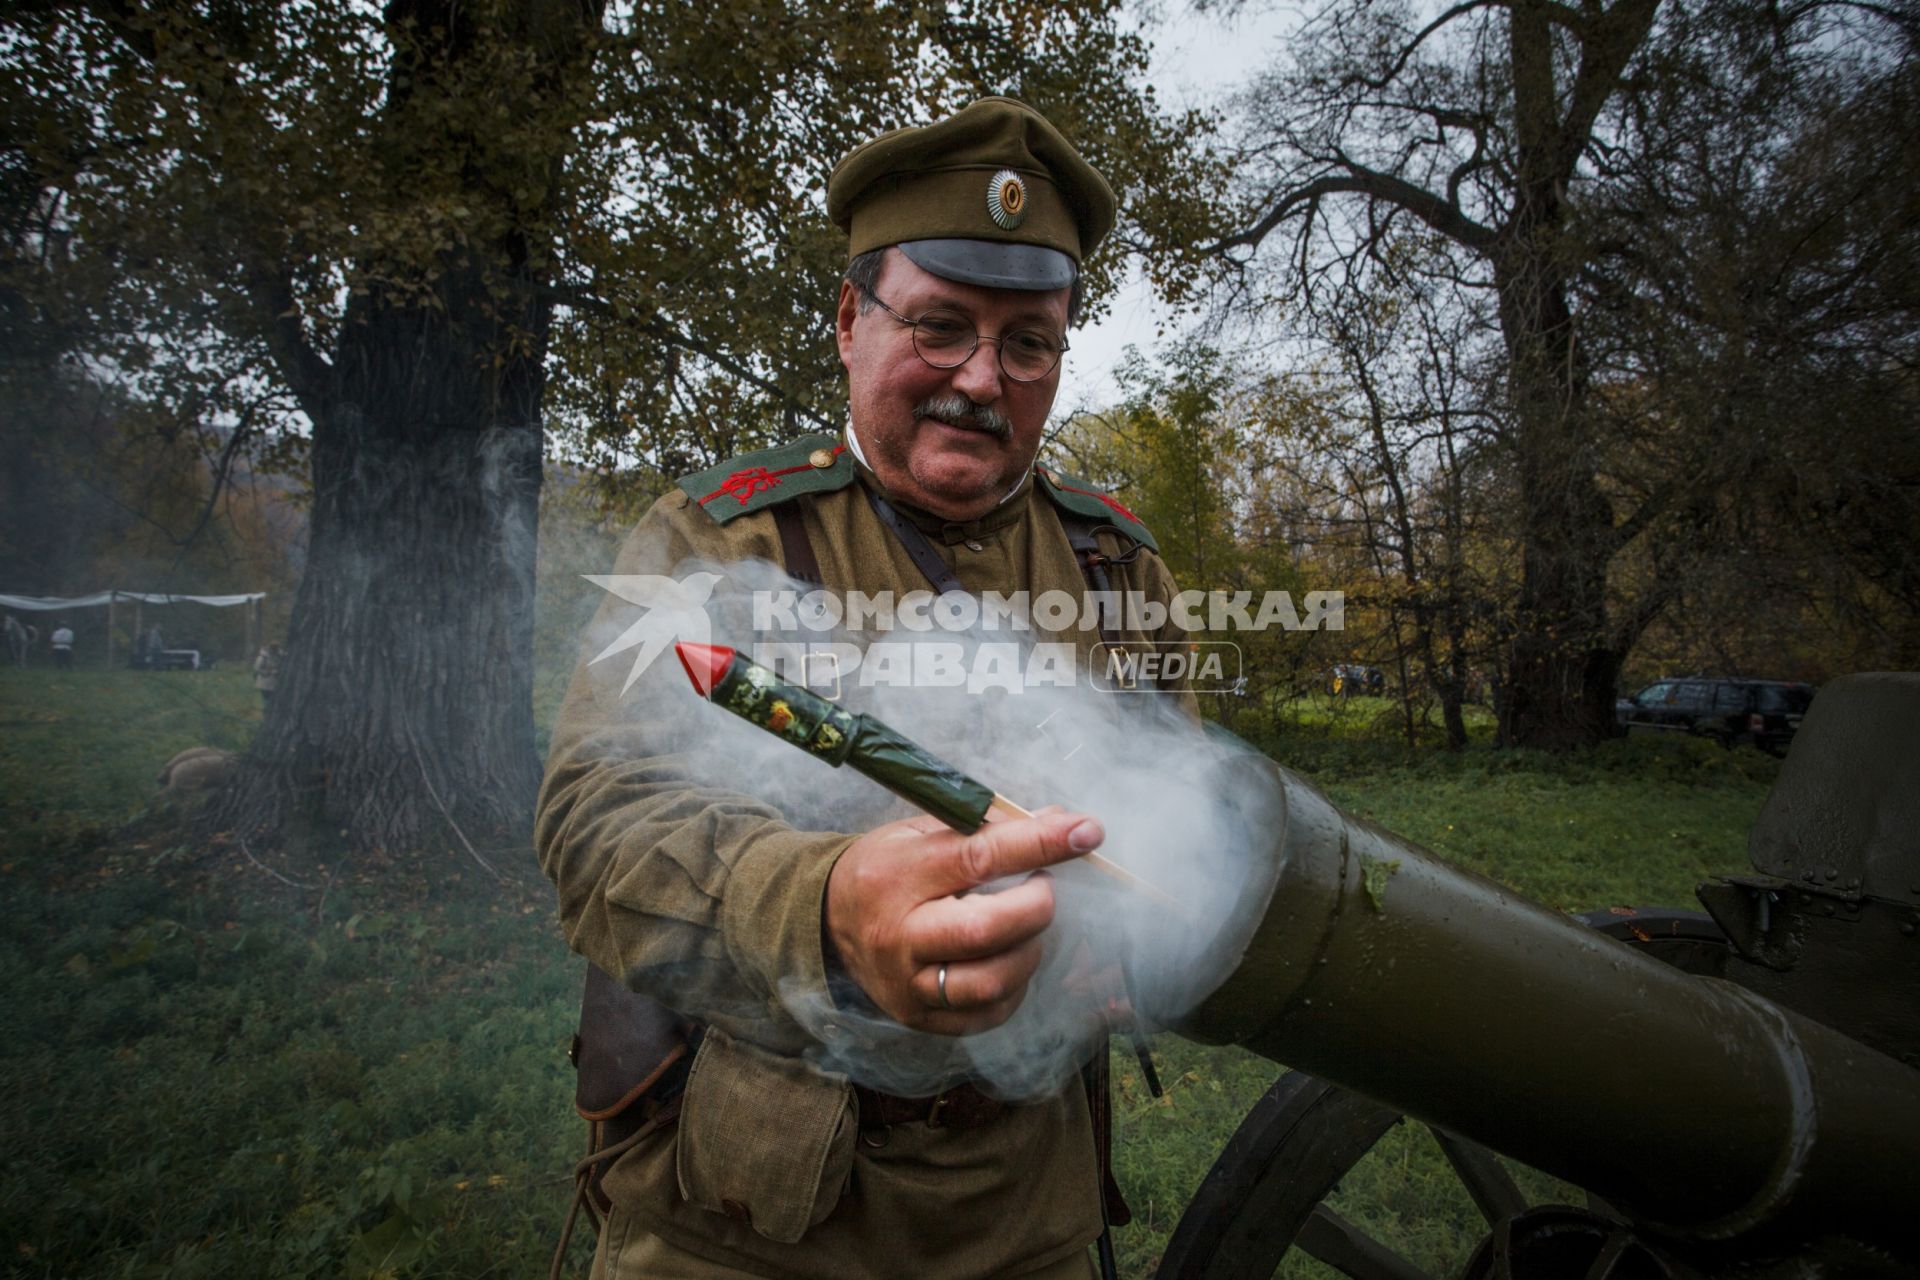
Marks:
<point>831,733</point>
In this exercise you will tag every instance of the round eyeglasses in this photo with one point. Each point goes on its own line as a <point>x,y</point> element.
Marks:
<point>946,339</point>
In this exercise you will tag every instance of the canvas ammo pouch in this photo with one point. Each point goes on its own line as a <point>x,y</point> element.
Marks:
<point>765,1139</point>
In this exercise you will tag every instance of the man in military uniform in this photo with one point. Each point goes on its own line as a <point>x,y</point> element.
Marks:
<point>966,242</point>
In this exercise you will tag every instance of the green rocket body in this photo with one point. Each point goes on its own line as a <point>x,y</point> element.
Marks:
<point>831,733</point>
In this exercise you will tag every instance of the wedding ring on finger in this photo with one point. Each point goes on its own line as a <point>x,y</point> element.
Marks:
<point>945,1003</point>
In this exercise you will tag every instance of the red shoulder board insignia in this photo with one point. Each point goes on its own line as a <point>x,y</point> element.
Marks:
<point>811,464</point>
<point>1076,495</point>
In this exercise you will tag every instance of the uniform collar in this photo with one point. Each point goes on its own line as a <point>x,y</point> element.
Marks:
<point>950,532</point>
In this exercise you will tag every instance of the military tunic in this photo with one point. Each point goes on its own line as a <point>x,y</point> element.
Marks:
<point>707,898</point>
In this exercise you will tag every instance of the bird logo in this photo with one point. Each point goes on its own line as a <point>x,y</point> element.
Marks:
<point>675,610</point>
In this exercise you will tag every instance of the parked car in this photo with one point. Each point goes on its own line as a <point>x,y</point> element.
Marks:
<point>1728,710</point>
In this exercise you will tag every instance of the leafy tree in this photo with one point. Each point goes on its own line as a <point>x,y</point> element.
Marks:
<point>98,490</point>
<point>422,235</point>
<point>1761,331</point>
<point>1182,451</point>
<point>1409,442</point>
<point>1168,448</point>
<point>1558,152</point>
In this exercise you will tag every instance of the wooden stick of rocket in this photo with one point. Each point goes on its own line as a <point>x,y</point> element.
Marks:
<point>831,733</point>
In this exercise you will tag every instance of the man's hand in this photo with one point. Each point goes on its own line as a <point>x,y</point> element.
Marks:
<point>893,915</point>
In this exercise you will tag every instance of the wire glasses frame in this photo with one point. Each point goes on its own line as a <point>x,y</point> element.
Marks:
<point>946,339</point>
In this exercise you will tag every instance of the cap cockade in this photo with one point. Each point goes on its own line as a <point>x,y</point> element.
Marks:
<point>1007,199</point>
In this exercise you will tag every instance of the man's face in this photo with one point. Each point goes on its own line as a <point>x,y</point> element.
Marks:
<point>956,471</point>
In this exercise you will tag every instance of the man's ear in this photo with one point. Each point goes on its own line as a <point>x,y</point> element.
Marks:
<point>843,315</point>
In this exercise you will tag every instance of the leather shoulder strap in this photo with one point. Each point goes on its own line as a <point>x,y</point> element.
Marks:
<point>919,550</point>
<point>1083,535</point>
<point>795,547</point>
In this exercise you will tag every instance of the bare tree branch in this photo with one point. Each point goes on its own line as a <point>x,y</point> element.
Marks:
<point>661,331</point>
<point>1436,212</point>
<point>309,376</point>
<point>1613,39</point>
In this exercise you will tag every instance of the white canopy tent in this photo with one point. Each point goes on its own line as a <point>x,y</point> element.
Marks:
<point>109,599</point>
<point>46,604</point>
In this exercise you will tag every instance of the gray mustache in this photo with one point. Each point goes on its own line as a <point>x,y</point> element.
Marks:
<point>957,411</point>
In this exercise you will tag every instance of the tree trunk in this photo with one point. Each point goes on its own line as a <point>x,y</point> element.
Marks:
<point>403,716</point>
<point>1561,668</point>
<point>1407,723</point>
<point>1453,686</point>
<point>404,705</point>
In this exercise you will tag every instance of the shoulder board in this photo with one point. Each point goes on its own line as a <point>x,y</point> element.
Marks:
<point>816,463</point>
<point>1070,493</point>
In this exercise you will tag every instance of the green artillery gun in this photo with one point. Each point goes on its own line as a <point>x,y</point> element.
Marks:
<point>1737,1093</point>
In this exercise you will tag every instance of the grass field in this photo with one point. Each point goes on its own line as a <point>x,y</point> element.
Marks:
<point>209,1072</point>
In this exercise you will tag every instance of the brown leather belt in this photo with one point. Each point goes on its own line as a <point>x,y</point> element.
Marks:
<point>961,1107</point>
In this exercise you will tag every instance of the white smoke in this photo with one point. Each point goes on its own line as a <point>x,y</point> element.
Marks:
<point>1191,813</point>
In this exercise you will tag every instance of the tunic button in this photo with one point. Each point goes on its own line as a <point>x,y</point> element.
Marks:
<point>821,458</point>
<point>974,545</point>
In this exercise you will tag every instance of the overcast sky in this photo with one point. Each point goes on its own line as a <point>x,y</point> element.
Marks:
<point>1196,61</point>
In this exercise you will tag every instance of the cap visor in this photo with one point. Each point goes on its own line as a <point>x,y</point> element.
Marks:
<point>993,264</point>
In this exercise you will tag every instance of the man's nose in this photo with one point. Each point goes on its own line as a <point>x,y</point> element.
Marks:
<point>978,379</point>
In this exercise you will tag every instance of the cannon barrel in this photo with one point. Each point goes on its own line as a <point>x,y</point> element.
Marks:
<point>1697,1107</point>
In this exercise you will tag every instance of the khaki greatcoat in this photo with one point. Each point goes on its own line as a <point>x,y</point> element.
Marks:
<point>709,900</point>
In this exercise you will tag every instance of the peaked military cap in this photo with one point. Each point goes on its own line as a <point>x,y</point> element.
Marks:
<point>993,195</point>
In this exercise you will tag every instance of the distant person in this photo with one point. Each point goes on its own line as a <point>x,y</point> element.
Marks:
<point>156,644</point>
<point>266,673</point>
<point>18,641</point>
<point>62,642</point>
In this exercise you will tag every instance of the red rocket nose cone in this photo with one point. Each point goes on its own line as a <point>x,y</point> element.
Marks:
<point>706,664</point>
